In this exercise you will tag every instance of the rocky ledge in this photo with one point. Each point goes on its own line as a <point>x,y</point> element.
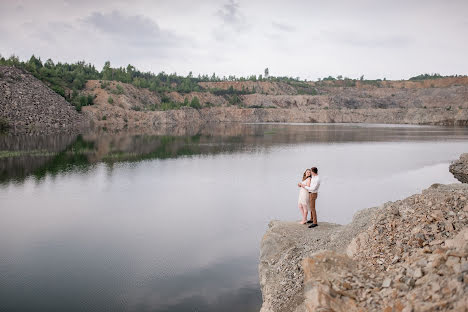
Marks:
<point>408,255</point>
<point>459,168</point>
<point>286,244</point>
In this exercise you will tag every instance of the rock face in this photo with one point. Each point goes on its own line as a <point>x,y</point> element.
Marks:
<point>411,256</point>
<point>459,168</point>
<point>28,105</point>
<point>435,102</point>
<point>113,117</point>
<point>286,244</point>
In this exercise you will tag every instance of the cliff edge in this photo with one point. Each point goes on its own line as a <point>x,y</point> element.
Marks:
<point>286,244</point>
<point>408,255</point>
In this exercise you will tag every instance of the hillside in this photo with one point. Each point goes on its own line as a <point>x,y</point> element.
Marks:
<point>441,101</point>
<point>27,105</point>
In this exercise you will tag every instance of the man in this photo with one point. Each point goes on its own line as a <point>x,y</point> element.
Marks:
<point>313,193</point>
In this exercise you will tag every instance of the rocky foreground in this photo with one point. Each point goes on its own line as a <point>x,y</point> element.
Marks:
<point>408,255</point>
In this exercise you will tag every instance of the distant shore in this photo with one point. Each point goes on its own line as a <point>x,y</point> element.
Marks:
<point>27,105</point>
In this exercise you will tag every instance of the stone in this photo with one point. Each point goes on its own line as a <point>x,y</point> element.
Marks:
<point>460,241</point>
<point>386,283</point>
<point>417,273</point>
<point>452,261</point>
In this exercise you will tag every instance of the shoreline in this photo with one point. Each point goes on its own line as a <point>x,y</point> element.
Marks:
<point>29,105</point>
<point>358,266</point>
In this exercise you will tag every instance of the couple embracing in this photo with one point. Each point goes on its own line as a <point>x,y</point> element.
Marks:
<point>308,195</point>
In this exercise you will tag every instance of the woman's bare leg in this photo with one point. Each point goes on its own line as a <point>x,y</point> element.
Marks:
<point>303,213</point>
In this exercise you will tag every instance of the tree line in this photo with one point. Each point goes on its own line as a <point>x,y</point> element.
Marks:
<point>69,79</point>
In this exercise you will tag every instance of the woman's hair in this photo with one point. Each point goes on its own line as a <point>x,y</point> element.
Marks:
<point>304,176</point>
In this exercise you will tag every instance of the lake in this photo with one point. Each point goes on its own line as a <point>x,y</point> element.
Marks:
<point>171,219</point>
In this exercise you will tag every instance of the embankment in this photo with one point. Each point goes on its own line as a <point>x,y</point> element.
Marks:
<point>29,105</point>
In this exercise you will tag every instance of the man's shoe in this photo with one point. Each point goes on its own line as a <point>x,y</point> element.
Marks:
<point>313,225</point>
<point>310,221</point>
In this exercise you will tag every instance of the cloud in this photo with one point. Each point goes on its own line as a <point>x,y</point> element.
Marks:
<point>135,30</point>
<point>283,27</point>
<point>233,20</point>
<point>230,14</point>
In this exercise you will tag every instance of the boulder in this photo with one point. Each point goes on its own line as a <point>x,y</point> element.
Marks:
<point>459,168</point>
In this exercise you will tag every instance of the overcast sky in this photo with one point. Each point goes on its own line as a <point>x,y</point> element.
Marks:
<point>310,39</point>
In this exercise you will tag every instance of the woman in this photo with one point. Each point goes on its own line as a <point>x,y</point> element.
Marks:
<point>303,201</point>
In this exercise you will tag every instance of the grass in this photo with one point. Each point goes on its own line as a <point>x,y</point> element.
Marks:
<point>36,153</point>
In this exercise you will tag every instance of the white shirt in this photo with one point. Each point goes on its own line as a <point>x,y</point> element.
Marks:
<point>314,184</point>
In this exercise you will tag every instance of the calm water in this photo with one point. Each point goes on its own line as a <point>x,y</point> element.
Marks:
<point>172,220</point>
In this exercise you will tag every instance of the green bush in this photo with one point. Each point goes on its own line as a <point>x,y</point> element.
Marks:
<point>118,90</point>
<point>195,103</point>
<point>58,90</point>
<point>426,76</point>
<point>110,100</point>
<point>4,125</point>
<point>81,100</point>
<point>234,100</point>
<point>170,105</point>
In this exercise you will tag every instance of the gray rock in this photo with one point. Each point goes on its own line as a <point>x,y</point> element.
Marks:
<point>459,168</point>
<point>386,283</point>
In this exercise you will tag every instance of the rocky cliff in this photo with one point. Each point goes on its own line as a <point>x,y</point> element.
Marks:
<point>28,105</point>
<point>117,118</point>
<point>408,255</point>
<point>459,168</point>
<point>438,102</point>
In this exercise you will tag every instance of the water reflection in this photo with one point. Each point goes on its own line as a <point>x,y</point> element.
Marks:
<point>171,220</point>
<point>22,156</point>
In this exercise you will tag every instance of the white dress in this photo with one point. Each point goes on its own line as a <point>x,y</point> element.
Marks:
<point>303,194</point>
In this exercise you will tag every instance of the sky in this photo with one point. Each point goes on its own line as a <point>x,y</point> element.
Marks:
<point>307,39</point>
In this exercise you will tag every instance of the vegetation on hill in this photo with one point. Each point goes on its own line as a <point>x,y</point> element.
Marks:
<point>69,80</point>
<point>426,76</point>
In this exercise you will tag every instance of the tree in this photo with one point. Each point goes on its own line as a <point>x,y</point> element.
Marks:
<point>362,78</point>
<point>107,71</point>
<point>195,103</point>
<point>267,73</point>
<point>49,63</point>
<point>34,62</point>
<point>339,77</point>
